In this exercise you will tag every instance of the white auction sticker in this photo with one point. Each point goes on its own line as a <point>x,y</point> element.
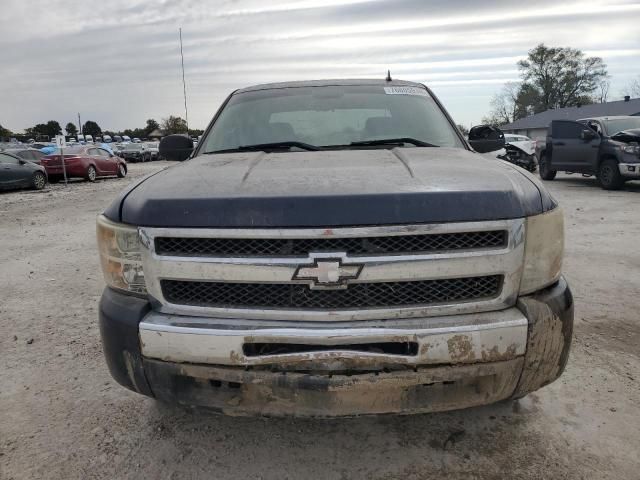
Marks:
<point>405,91</point>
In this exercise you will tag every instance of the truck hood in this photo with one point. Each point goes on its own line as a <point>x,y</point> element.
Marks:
<point>627,136</point>
<point>332,188</point>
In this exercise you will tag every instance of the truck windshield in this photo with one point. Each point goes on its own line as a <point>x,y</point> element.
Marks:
<point>331,116</point>
<point>615,125</point>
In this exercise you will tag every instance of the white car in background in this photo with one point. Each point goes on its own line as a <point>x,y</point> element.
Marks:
<point>153,148</point>
<point>525,144</point>
<point>519,150</point>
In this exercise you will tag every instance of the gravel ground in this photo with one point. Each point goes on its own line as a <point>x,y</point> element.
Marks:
<point>63,417</point>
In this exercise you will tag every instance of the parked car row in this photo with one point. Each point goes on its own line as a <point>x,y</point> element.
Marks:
<point>31,168</point>
<point>137,152</point>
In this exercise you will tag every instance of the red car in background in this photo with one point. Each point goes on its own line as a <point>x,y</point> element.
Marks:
<point>88,162</point>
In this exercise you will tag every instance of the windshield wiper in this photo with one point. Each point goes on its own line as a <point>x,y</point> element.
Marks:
<point>268,146</point>
<point>393,141</point>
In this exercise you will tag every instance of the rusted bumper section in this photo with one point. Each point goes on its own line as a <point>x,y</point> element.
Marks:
<point>236,391</point>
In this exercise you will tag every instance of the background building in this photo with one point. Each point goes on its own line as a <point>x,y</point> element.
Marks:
<point>535,126</point>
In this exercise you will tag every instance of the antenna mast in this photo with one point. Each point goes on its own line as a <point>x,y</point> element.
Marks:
<point>184,85</point>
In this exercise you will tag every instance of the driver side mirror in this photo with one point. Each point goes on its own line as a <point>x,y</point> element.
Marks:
<point>486,138</point>
<point>176,147</point>
<point>587,134</point>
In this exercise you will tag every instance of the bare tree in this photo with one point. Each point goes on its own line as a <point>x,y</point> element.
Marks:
<point>633,88</point>
<point>602,93</point>
<point>464,130</point>
<point>504,105</point>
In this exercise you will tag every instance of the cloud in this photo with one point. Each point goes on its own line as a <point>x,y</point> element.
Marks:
<point>118,62</point>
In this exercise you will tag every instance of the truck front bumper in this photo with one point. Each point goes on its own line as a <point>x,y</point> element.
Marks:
<point>629,170</point>
<point>393,366</point>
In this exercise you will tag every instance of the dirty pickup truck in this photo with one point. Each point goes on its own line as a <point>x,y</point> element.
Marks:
<point>334,248</point>
<point>607,147</point>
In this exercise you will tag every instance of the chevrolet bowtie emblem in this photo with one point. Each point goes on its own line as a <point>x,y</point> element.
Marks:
<point>327,273</point>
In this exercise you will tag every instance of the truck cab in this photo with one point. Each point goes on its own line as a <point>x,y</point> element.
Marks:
<point>606,147</point>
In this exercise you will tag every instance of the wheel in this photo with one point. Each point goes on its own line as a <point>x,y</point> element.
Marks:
<point>545,172</point>
<point>609,175</point>
<point>39,180</point>
<point>91,173</point>
<point>121,171</point>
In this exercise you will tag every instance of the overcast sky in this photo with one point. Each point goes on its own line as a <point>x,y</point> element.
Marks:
<point>117,62</point>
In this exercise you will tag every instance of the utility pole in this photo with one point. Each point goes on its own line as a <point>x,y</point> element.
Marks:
<point>79,124</point>
<point>184,85</point>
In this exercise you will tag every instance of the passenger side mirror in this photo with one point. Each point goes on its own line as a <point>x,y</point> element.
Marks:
<point>176,147</point>
<point>587,134</point>
<point>486,138</point>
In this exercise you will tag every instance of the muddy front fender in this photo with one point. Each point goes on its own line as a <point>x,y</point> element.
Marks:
<point>550,316</point>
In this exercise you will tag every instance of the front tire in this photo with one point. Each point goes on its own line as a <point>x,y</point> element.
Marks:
<point>92,174</point>
<point>121,171</point>
<point>609,175</point>
<point>546,173</point>
<point>39,180</point>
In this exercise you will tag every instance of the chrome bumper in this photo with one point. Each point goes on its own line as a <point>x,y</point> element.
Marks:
<point>453,339</point>
<point>631,170</point>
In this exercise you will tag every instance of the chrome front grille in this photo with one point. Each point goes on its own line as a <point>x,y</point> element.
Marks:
<point>386,272</point>
<point>357,295</point>
<point>293,247</point>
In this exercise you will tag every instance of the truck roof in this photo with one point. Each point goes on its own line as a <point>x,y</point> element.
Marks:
<point>612,117</point>
<point>326,83</point>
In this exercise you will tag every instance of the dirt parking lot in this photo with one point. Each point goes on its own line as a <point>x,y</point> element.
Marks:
<point>63,417</point>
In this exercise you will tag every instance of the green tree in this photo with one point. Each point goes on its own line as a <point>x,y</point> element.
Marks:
<point>49,129</point>
<point>195,132</point>
<point>4,133</point>
<point>52,128</point>
<point>71,129</point>
<point>560,77</point>
<point>151,126</point>
<point>552,77</point>
<point>91,128</point>
<point>173,125</point>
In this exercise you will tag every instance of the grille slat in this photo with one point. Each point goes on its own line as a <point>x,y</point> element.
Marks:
<point>357,295</point>
<point>354,246</point>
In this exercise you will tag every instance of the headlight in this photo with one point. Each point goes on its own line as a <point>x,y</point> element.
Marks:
<point>120,256</point>
<point>633,149</point>
<point>543,250</point>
